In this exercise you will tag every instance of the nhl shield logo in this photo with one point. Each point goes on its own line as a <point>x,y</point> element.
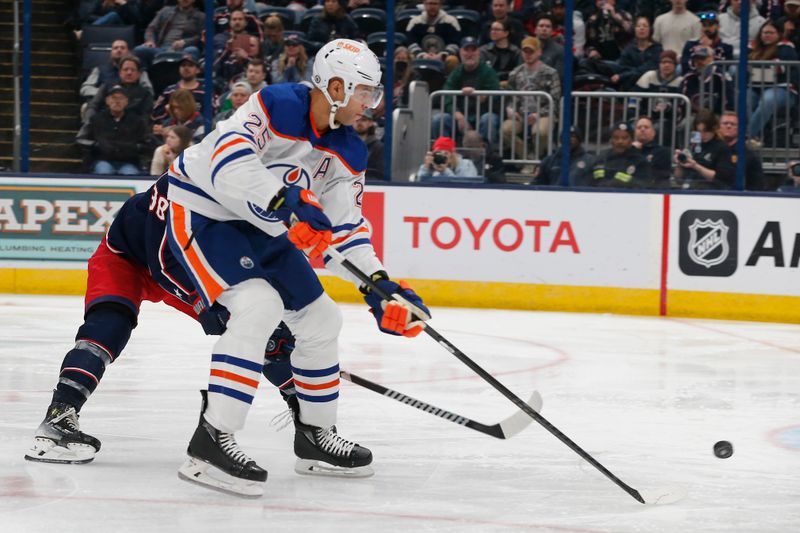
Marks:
<point>708,242</point>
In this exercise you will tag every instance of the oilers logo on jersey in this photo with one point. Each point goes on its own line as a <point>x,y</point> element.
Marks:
<point>291,175</point>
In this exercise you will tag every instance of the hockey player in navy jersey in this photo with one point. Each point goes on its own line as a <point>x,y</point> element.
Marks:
<point>131,264</point>
<point>287,159</point>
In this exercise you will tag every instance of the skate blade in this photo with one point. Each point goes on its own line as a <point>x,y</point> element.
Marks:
<point>208,476</point>
<point>46,450</point>
<point>309,467</point>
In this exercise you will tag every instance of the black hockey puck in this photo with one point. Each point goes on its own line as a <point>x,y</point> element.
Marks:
<point>723,449</point>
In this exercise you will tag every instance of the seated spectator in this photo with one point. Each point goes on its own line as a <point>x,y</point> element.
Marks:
<point>707,86</point>
<point>657,156</point>
<point>443,160</point>
<point>365,127</point>
<point>182,110</point>
<point>500,53</point>
<point>665,79</point>
<point>115,13</point>
<point>472,75</point>
<point>707,164</point>
<point>773,90</point>
<point>403,76</point>
<point>640,56</point>
<point>711,38</point>
<point>222,19</point>
<point>729,23</point>
<point>552,52</point>
<point>139,98</point>
<point>674,28</point>
<point>608,30</point>
<point>176,140</point>
<point>109,72</point>
<point>272,47</point>
<point>792,182</point>
<point>790,21</point>
<point>514,28</point>
<point>238,95</point>
<point>234,48</point>
<point>559,15</point>
<point>581,163</point>
<point>332,22</point>
<point>293,65</point>
<point>754,179</point>
<point>487,160</point>
<point>433,20</point>
<point>622,165</point>
<point>188,70</point>
<point>175,28</point>
<point>115,136</point>
<point>256,75</point>
<point>532,117</point>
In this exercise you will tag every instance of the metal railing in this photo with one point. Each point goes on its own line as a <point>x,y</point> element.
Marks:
<point>501,118</point>
<point>595,112</point>
<point>773,112</point>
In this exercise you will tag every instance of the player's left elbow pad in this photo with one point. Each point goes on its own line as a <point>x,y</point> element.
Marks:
<point>405,315</point>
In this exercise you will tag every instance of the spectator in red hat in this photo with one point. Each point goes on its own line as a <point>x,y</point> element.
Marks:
<point>443,160</point>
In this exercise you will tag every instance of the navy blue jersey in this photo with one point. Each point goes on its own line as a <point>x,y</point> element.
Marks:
<point>138,234</point>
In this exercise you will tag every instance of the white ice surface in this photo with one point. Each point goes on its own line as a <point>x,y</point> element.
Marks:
<point>647,397</point>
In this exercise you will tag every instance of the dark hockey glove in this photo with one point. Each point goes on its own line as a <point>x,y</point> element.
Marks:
<point>214,319</point>
<point>405,315</point>
<point>280,344</point>
<point>309,227</point>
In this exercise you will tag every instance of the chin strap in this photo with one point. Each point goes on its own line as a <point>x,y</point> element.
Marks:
<point>332,117</point>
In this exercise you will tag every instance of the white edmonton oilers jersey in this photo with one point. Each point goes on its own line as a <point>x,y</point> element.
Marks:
<point>270,142</point>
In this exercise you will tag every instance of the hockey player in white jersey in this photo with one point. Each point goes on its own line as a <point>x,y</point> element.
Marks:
<point>287,159</point>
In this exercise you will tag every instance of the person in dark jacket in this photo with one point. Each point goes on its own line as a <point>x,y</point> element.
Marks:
<point>175,28</point>
<point>115,137</point>
<point>711,38</point>
<point>754,169</point>
<point>657,156</point>
<point>639,56</point>
<point>580,164</point>
<point>622,165</point>
<point>365,127</point>
<point>332,22</point>
<point>707,164</point>
<point>140,98</point>
<point>433,20</point>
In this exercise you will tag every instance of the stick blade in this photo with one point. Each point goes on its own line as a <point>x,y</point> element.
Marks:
<point>520,420</point>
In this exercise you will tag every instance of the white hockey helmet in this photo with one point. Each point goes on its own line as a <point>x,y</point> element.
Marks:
<point>355,64</point>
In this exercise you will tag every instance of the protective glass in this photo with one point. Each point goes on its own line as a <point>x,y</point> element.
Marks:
<point>368,96</point>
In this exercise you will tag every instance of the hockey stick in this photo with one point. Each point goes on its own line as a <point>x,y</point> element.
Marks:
<point>491,380</point>
<point>502,430</point>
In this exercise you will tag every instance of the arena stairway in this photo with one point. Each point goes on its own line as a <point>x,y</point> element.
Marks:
<point>55,106</point>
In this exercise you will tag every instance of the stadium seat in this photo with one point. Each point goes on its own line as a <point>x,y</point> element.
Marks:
<point>287,16</point>
<point>469,20</point>
<point>403,17</point>
<point>94,57</point>
<point>377,42</point>
<point>369,20</point>
<point>430,71</point>
<point>307,16</point>
<point>164,71</point>
<point>98,36</point>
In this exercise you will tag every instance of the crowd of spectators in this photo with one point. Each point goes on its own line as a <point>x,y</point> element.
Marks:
<point>653,46</point>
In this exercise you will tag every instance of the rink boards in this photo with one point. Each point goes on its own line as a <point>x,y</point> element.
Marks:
<point>720,256</point>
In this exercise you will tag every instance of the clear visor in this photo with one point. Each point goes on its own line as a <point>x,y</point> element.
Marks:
<point>368,96</point>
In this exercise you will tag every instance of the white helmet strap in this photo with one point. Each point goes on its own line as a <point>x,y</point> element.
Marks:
<point>335,107</point>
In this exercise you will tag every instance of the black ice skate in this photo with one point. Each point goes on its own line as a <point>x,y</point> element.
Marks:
<point>321,451</point>
<point>216,461</point>
<point>60,440</point>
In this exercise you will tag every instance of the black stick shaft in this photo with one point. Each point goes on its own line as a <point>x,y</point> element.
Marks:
<point>491,380</point>
<point>494,431</point>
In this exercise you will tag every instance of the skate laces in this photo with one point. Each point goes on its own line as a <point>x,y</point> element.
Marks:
<point>332,443</point>
<point>229,445</point>
<point>69,418</point>
<point>281,420</point>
